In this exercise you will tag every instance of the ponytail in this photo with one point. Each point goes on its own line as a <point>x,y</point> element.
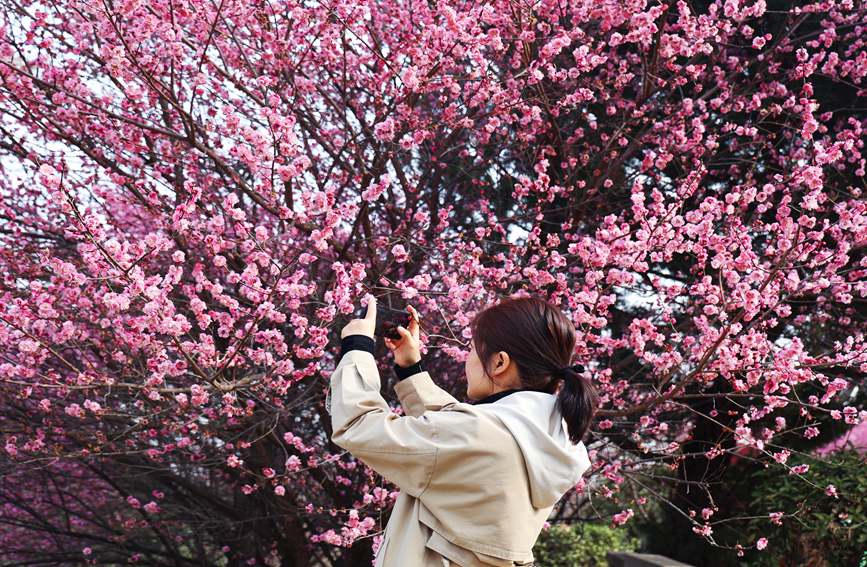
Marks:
<point>577,401</point>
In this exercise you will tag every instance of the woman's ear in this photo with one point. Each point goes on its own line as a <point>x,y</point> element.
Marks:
<point>502,362</point>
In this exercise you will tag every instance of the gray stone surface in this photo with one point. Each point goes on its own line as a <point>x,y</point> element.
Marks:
<point>629,559</point>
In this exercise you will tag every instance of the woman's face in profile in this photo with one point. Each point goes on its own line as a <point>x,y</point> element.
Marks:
<point>478,385</point>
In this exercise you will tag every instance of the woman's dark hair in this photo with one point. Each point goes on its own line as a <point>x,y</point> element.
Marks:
<point>540,338</point>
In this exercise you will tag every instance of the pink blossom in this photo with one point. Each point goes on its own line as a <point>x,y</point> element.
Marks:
<point>10,447</point>
<point>199,395</point>
<point>293,464</point>
<point>622,517</point>
<point>74,410</point>
<point>385,130</point>
<point>376,189</point>
<point>49,176</point>
<point>400,253</point>
<point>410,78</point>
<point>811,432</point>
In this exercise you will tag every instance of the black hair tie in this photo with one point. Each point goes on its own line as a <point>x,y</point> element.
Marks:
<point>575,368</point>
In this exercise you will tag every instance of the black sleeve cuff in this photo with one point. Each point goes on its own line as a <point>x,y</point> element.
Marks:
<point>356,342</point>
<point>407,371</point>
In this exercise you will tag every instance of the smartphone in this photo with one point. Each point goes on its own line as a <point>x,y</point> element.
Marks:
<point>387,320</point>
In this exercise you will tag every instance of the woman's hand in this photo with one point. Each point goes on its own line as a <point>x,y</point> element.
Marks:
<point>407,349</point>
<point>365,326</point>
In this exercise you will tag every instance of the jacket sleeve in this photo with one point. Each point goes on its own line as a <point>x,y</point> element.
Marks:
<point>403,449</point>
<point>418,393</point>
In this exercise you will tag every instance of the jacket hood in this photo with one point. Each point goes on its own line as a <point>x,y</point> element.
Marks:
<point>554,463</point>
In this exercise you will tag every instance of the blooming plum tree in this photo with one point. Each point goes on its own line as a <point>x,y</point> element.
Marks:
<point>195,193</point>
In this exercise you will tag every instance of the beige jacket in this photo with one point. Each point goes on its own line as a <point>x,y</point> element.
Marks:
<point>477,482</point>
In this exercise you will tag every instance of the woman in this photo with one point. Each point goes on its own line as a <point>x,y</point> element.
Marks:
<point>478,480</point>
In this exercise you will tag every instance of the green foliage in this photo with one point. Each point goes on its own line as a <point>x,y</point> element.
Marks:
<point>583,545</point>
<point>817,529</point>
<point>825,531</point>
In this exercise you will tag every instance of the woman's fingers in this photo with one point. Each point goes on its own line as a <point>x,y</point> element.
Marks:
<point>403,332</point>
<point>413,324</point>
